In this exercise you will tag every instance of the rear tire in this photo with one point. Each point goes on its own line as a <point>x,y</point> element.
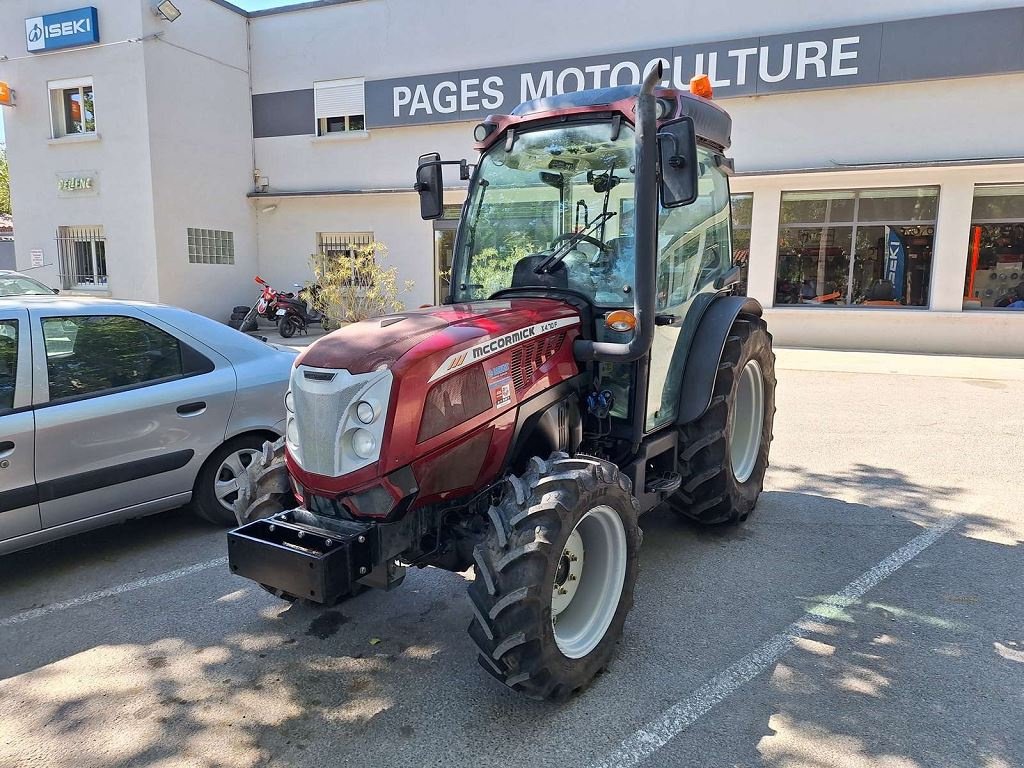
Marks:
<point>287,326</point>
<point>558,507</point>
<point>240,310</point>
<point>724,453</point>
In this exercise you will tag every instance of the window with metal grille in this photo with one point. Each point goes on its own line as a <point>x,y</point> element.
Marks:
<point>82,257</point>
<point>339,106</point>
<point>353,249</point>
<point>211,246</point>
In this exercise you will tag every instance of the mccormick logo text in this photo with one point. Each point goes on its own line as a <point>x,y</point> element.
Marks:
<point>503,341</point>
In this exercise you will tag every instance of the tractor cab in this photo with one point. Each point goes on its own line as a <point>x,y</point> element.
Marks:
<point>554,208</point>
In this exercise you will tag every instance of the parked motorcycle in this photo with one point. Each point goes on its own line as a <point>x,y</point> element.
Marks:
<point>245,319</point>
<point>295,313</point>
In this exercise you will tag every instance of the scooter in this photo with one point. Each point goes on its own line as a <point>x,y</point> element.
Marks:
<point>294,314</point>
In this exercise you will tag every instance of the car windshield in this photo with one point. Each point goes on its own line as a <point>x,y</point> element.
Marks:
<point>19,285</point>
<point>553,185</point>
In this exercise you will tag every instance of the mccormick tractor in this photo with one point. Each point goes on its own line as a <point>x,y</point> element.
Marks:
<point>590,363</point>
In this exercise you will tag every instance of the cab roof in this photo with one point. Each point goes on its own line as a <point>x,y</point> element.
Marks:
<point>712,123</point>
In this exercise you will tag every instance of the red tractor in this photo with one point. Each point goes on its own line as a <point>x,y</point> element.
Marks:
<point>591,363</point>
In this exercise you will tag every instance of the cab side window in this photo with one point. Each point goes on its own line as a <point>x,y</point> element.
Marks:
<point>97,354</point>
<point>8,363</point>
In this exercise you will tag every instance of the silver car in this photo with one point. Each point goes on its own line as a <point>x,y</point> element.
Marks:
<point>111,410</point>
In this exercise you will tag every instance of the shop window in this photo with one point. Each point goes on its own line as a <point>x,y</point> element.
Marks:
<point>82,257</point>
<point>353,251</point>
<point>72,108</point>
<point>340,106</point>
<point>98,354</point>
<point>995,249</point>
<point>210,246</point>
<point>865,247</point>
<point>742,207</point>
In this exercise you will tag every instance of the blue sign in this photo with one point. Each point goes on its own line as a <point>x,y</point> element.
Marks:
<point>895,261</point>
<point>65,29</point>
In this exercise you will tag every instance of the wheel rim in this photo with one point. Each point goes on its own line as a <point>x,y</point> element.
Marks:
<point>225,484</point>
<point>588,582</point>
<point>747,420</point>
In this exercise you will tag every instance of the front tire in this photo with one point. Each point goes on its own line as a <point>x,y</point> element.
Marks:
<point>220,481</point>
<point>724,453</point>
<point>555,576</point>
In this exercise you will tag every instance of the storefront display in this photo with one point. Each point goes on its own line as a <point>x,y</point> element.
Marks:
<point>995,251</point>
<point>867,247</point>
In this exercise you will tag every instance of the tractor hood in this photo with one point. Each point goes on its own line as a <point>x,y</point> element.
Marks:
<point>366,345</point>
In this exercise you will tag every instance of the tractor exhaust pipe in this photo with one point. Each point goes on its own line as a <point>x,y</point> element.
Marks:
<point>645,206</point>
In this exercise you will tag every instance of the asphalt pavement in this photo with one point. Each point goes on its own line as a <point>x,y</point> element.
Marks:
<point>870,613</point>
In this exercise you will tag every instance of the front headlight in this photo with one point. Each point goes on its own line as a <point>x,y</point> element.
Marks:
<point>289,402</point>
<point>365,412</point>
<point>364,444</point>
<point>292,432</point>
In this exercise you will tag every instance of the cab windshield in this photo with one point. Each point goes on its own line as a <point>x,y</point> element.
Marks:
<point>566,191</point>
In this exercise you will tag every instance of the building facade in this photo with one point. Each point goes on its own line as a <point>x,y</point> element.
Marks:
<point>878,201</point>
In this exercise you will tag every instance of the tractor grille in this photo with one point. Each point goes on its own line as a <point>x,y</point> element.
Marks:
<point>322,399</point>
<point>527,358</point>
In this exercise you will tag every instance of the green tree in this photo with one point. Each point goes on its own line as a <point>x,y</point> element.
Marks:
<point>5,183</point>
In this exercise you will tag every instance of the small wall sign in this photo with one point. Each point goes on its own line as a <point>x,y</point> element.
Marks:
<point>78,184</point>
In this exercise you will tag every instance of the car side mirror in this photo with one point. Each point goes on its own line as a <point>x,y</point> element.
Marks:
<point>55,290</point>
<point>429,185</point>
<point>677,153</point>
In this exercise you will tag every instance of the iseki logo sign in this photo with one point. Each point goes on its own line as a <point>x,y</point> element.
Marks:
<point>62,30</point>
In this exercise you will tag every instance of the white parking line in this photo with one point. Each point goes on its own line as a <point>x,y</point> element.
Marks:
<point>131,586</point>
<point>681,715</point>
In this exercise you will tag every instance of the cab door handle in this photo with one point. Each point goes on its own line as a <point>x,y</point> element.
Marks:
<point>6,448</point>
<point>191,409</point>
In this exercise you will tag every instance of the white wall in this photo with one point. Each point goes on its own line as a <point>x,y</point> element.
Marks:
<point>120,154</point>
<point>288,236</point>
<point>200,135</point>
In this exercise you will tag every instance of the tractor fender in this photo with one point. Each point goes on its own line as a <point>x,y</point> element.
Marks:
<point>550,421</point>
<point>706,353</point>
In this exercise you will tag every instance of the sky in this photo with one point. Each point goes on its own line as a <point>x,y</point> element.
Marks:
<point>259,5</point>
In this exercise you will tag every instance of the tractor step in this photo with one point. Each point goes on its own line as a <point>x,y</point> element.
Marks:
<point>306,560</point>
<point>665,484</point>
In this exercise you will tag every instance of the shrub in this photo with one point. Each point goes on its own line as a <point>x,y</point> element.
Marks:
<point>358,286</point>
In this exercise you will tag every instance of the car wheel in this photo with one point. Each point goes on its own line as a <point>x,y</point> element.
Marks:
<point>217,485</point>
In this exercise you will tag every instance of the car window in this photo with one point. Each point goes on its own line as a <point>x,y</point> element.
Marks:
<point>8,363</point>
<point>95,354</point>
<point>22,286</point>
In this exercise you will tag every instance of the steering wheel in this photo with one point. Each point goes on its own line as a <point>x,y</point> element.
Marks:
<point>605,248</point>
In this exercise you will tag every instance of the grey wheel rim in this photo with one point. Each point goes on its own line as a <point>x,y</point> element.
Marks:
<point>226,481</point>
<point>747,421</point>
<point>588,582</point>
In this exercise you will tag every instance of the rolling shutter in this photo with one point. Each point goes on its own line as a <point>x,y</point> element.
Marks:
<point>339,98</point>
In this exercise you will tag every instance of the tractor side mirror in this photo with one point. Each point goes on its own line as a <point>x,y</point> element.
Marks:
<point>677,153</point>
<point>429,185</point>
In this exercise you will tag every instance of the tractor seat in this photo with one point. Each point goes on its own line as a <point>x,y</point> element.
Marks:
<point>524,276</point>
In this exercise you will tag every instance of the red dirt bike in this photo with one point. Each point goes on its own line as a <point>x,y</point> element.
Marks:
<point>246,319</point>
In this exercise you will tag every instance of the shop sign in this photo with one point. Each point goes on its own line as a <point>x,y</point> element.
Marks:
<point>988,42</point>
<point>78,184</point>
<point>64,29</point>
<point>6,95</point>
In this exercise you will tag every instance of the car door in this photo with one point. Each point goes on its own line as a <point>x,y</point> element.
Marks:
<point>127,410</point>
<point>19,510</point>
